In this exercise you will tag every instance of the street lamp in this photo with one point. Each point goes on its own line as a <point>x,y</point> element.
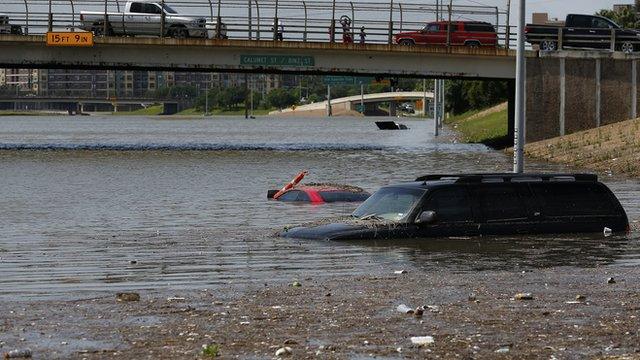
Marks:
<point>519,128</point>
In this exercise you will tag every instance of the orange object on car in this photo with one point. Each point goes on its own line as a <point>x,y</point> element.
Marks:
<point>291,184</point>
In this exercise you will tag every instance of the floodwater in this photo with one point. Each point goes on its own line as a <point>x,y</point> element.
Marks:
<point>99,204</point>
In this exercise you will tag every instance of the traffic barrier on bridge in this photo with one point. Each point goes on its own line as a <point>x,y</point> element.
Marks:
<point>288,20</point>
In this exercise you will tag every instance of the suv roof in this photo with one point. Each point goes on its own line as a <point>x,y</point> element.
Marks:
<point>507,177</point>
<point>460,22</point>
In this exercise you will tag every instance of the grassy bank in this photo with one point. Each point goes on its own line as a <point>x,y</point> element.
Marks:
<point>612,149</point>
<point>148,111</point>
<point>488,126</point>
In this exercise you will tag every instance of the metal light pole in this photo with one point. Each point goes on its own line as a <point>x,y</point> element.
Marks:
<point>362,98</point>
<point>329,108</point>
<point>519,129</point>
<point>424,98</point>
<point>436,105</point>
<point>206,100</point>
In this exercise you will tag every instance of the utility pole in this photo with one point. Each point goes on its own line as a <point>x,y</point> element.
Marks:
<point>519,129</point>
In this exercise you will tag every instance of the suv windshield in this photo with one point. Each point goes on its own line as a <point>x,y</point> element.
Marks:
<point>391,203</point>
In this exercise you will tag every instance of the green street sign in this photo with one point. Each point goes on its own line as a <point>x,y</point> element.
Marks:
<point>277,60</point>
<point>338,80</point>
<point>347,80</point>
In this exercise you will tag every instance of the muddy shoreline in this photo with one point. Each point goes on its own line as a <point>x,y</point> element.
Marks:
<point>471,314</point>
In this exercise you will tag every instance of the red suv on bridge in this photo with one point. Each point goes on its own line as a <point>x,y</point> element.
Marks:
<point>466,33</point>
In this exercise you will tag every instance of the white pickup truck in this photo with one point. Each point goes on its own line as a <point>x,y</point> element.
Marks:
<point>144,18</point>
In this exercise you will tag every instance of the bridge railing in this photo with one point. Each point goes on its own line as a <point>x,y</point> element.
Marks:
<point>287,20</point>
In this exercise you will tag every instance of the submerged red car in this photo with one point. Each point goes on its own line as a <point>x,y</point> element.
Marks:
<point>322,193</point>
<point>463,33</point>
<point>317,193</point>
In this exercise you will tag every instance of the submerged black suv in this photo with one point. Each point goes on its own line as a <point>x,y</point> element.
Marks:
<point>479,204</point>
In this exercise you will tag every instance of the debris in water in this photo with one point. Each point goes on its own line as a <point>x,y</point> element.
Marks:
<point>581,298</point>
<point>472,297</point>
<point>404,309</point>
<point>18,354</point>
<point>523,296</point>
<point>611,280</point>
<point>422,340</point>
<point>432,308</point>
<point>296,284</point>
<point>400,272</point>
<point>503,350</point>
<point>284,351</point>
<point>418,312</point>
<point>607,232</point>
<point>175,298</point>
<point>126,297</point>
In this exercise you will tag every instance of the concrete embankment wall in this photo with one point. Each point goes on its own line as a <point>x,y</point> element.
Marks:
<point>613,148</point>
<point>573,91</point>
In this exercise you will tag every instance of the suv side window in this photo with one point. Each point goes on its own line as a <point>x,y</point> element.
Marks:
<point>433,28</point>
<point>574,199</point>
<point>479,27</point>
<point>501,202</point>
<point>450,204</point>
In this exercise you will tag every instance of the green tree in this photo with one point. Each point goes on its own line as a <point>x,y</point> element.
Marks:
<point>627,18</point>
<point>281,98</point>
<point>229,98</point>
<point>465,95</point>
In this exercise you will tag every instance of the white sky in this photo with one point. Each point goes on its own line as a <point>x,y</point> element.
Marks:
<point>555,8</point>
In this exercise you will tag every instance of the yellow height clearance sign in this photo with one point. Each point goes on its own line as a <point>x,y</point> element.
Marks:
<point>69,39</point>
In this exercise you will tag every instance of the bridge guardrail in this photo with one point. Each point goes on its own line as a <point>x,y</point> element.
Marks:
<point>288,20</point>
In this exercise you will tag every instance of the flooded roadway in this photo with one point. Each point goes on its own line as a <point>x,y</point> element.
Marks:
<point>95,204</point>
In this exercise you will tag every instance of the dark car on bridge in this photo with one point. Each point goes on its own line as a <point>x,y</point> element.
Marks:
<point>479,204</point>
<point>463,33</point>
<point>583,31</point>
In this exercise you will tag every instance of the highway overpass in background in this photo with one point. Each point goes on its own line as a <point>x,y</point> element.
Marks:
<point>350,102</point>
<point>253,56</point>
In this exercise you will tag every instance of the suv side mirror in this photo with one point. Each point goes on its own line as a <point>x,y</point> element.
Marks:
<point>427,217</point>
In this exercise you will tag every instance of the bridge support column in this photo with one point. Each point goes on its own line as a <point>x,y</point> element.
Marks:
<point>393,108</point>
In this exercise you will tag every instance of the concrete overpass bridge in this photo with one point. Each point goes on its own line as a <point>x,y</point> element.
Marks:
<point>351,102</point>
<point>209,55</point>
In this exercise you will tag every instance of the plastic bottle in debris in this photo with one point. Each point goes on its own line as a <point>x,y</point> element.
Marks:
<point>18,354</point>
